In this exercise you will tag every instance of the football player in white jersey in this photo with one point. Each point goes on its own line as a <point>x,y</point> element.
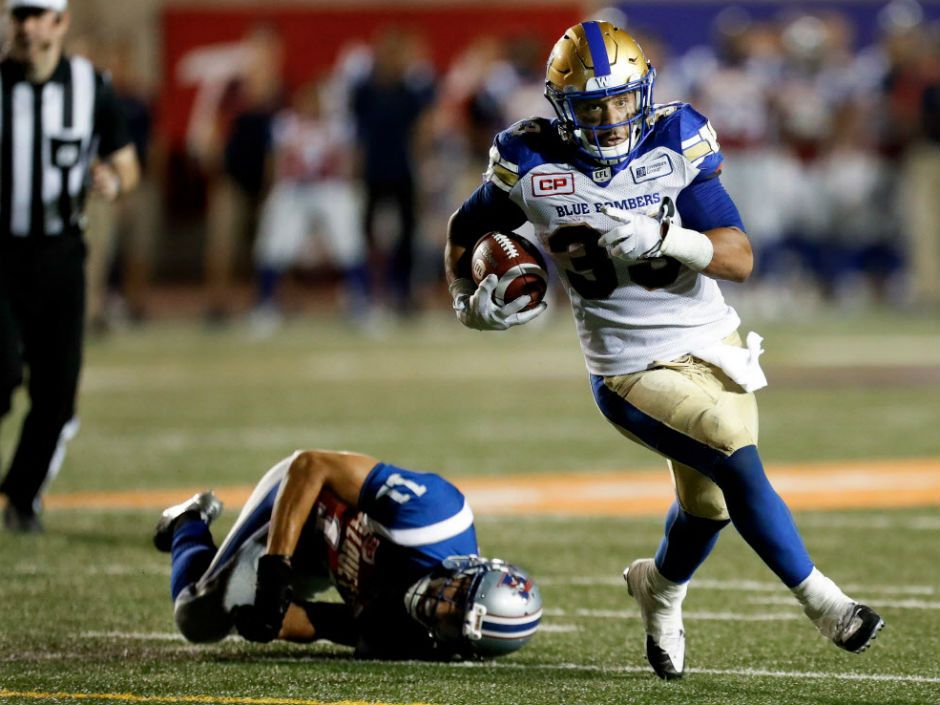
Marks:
<point>399,546</point>
<point>624,195</point>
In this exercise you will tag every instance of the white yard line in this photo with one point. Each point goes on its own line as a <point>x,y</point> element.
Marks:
<point>693,616</point>
<point>740,585</point>
<point>564,628</point>
<point>747,672</point>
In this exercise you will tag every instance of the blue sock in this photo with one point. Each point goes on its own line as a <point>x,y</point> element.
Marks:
<point>687,542</point>
<point>191,554</point>
<point>761,516</point>
<point>268,280</point>
<point>356,281</point>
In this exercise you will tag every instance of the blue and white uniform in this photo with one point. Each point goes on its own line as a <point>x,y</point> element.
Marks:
<point>405,525</point>
<point>628,316</point>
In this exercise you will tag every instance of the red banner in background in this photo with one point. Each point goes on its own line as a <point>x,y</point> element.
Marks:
<point>195,41</point>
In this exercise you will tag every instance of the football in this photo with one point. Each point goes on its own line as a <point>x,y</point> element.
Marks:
<point>517,264</point>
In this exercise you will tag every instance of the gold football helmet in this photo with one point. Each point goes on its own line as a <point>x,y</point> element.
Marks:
<point>590,65</point>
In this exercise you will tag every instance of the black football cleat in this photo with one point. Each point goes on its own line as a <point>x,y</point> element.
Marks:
<point>205,506</point>
<point>858,628</point>
<point>21,521</point>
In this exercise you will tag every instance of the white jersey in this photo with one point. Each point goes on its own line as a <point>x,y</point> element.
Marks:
<point>628,316</point>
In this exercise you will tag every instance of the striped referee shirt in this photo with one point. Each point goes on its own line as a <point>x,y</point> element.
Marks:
<point>49,134</point>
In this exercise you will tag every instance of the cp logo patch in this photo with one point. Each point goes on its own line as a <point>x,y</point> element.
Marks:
<point>552,184</point>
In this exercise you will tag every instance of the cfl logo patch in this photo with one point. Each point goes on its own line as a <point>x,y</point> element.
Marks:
<point>552,184</point>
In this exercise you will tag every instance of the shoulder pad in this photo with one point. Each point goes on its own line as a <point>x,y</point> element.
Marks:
<point>682,128</point>
<point>518,149</point>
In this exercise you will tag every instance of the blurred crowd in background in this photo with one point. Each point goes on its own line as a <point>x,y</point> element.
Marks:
<point>338,189</point>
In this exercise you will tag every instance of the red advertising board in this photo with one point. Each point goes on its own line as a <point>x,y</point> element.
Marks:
<point>313,37</point>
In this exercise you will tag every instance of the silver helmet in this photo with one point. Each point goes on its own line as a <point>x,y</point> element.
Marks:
<point>476,606</point>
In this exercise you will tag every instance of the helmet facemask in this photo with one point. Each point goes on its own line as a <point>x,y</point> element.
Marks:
<point>468,597</point>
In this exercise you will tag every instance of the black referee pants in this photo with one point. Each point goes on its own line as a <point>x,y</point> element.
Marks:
<point>42,308</point>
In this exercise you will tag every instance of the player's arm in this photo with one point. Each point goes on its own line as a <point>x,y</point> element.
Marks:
<point>710,240</point>
<point>309,474</point>
<point>486,210</point>
<point>310,621</point>
<point>707,208</point>
<point>117,169</point>
<point>116,175</point>
<point>732,258</point>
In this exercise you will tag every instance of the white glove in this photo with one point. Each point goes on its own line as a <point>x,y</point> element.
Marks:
<point>642,237</point>
<point>636,239</point>
<point>476,309</point>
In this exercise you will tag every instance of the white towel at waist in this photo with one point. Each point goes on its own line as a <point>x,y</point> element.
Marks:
<point>740,364</point>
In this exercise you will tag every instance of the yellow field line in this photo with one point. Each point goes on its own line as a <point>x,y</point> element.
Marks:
<point>132,698</point>
<point>862,484</point>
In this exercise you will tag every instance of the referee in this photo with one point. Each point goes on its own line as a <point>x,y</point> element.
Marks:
<point>61,135</point>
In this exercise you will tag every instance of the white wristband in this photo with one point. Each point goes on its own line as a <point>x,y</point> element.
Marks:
<point>461,289</point>
<point>692,248</point>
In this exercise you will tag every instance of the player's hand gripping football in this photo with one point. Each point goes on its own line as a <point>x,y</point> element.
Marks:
<point>476,309</point>
<point>639,236</point>
<point>262,621</point>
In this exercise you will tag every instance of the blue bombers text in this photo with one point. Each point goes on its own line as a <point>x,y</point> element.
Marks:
<point>583,208</point>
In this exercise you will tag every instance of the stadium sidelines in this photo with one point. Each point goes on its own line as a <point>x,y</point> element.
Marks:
<point>861,484</point>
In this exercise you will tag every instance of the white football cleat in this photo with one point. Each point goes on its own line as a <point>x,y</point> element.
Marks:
<point>660,602</point>
<point>854,629</point>
<point>204,505</point>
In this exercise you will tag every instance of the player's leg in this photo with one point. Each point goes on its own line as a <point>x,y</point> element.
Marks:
<point>206,584</point>
<point>281,233</point>
<point>403,260</point>
<point>335,205</point>
<point>11,376</point>
<point>694,414</point>
<point>51,325</point>
<point>693,524</point>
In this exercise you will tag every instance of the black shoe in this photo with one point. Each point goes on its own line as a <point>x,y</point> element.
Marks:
<point>205,506</point>
<point>21,521</point>
<point>858,629</point>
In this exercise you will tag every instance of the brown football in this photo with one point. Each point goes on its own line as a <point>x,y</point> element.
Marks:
<point>517,264</point>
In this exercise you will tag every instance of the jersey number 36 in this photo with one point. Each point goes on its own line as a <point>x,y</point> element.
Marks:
<point>592,273</point>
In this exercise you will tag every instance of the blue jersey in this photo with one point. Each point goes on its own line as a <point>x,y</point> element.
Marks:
<point>406,524</point>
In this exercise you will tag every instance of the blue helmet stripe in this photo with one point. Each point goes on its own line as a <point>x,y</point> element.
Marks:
<point>598,49</point>
<point>510,628</point>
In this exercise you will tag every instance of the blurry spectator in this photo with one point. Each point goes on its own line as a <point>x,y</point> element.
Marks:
<point>388,105</point>
<point>233,145</point>
<point>735,90</point>
<point>125,232</point>
<point>859,243</point>
<point>311,194</point>
<point>139,221</point>
<point>912,135</point>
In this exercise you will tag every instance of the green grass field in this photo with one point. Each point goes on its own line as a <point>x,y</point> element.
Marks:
<point>86,614</point>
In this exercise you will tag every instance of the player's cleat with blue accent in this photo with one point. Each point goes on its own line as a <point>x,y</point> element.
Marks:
<point>205,506</point>
<point>857,628</point>
<point>660,602</point>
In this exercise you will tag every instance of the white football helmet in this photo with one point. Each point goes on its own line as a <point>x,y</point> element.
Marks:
<point>477,607</point>
<point>593,61</point>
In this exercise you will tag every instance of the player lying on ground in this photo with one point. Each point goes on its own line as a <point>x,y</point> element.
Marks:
<point>399,546</point>
<point>625,197</point>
